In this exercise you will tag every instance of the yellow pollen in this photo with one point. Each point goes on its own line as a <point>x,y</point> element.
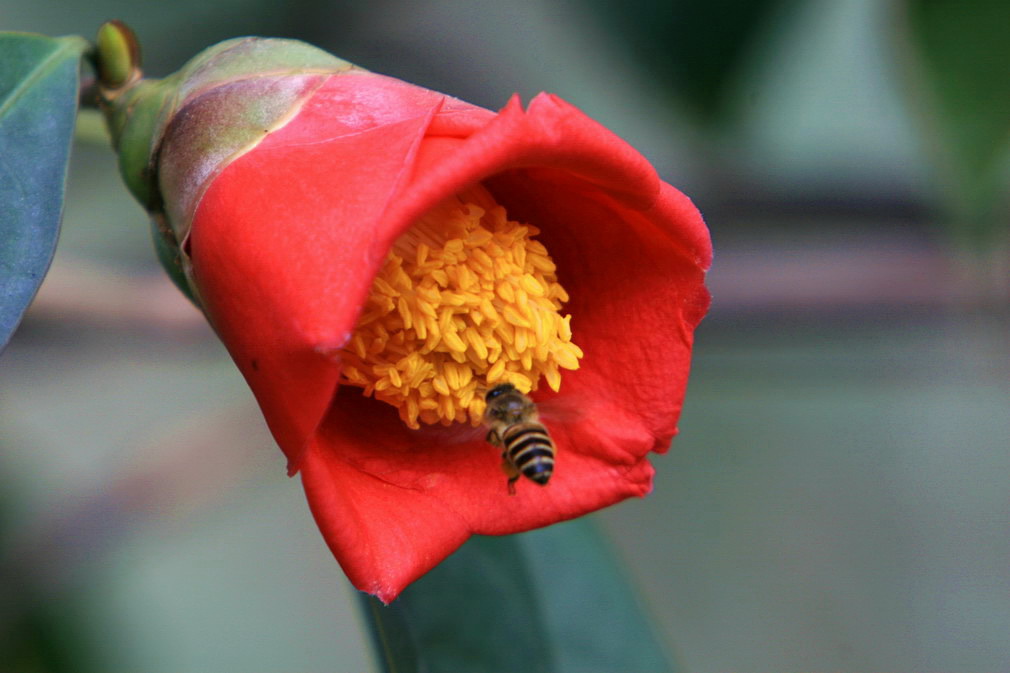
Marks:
<point>465,299</point>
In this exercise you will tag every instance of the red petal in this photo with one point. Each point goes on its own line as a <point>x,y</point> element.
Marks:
<point>631,252</point>
<point>393,502</point>
<point>283,242</point>
<point>289,237</point>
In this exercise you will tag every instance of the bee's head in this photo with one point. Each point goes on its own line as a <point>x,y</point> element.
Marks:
<point>499,390</point>
<point>506,404</point>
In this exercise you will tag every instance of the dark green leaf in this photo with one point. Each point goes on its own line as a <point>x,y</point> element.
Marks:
<point>965,55</point>
<point>476,611</point>
<point>593,614</point>
<point>40,627</point>
<point>38,103</point>
<point>693,48</point>
<point>962,56</point>
<point>552,600</point>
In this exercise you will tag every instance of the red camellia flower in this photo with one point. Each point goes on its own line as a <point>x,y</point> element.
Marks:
<point>377,256</point>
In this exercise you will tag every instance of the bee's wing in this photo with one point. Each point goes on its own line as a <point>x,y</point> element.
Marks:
<point>554,410</point>
<point>558,410</point>
<point>457,433</point>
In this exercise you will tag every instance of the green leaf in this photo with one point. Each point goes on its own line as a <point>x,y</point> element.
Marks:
<point>593,613</point>
<point>552,600</point>
<point>38,103</point>
<point>961,55</point>
<point>693,48</point>
<point>476,611</point>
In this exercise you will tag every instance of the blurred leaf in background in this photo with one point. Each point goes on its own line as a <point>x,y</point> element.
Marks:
<point>40,626</point>
<point>959,57</point>
<point>695,49</point>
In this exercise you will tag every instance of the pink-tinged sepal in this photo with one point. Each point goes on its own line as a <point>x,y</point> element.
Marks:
<point>173,135</point>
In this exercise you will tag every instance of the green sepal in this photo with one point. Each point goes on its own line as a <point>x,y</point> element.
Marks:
<point>140,116</point>
<point>174,135</point>
<point>136,120</point>
<point>166,247</point>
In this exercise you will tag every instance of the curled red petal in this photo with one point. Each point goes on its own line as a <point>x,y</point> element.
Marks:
<point>282,249</point>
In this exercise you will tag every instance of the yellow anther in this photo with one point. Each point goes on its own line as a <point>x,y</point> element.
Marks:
<point>494,374</point>
<point>452,340</point>
<point>430,294</point>
<point>479,237</point>
<point>520,381</point>
<point>427,309</point>
<point>452,376</point>
<point>487,309</point>
<point>358,344</point>
<point>380,285</point>
<point>566,358</point>
<point>481,258</point>
<point>466,277</point>
<point>447,408</point>
<point>454,298</point>
<point>514,317</point>
<point>542,263</point>
<point>420,328</point>
<point>530,284</point>
<point>434,337</point>
<point>540,327</point>
<point>404,310</point>
<point>445,323</point>
<point>441,386</point>
<point>465,299</point>
<point>476,342</point>
<point>521,341</point>
<point>553,377</point>
<point>506,292</point>
<point>412,410</point>
<point>565,328</point>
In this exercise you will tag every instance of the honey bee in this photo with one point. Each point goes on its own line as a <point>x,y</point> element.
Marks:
<point>514,426</point>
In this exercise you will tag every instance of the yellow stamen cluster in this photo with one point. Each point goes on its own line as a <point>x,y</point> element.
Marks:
<point>466,299</point>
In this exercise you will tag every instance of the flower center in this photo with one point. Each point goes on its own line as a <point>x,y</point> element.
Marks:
<point>466,299</point>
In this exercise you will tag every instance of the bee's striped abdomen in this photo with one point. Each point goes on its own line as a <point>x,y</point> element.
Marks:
<point>530,449</point>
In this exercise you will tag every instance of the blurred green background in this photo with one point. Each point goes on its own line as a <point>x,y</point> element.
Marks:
<point>839,496</point>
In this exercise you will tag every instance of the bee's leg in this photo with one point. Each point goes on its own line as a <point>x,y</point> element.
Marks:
<point>513,474</point>
<point>492,438</point>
